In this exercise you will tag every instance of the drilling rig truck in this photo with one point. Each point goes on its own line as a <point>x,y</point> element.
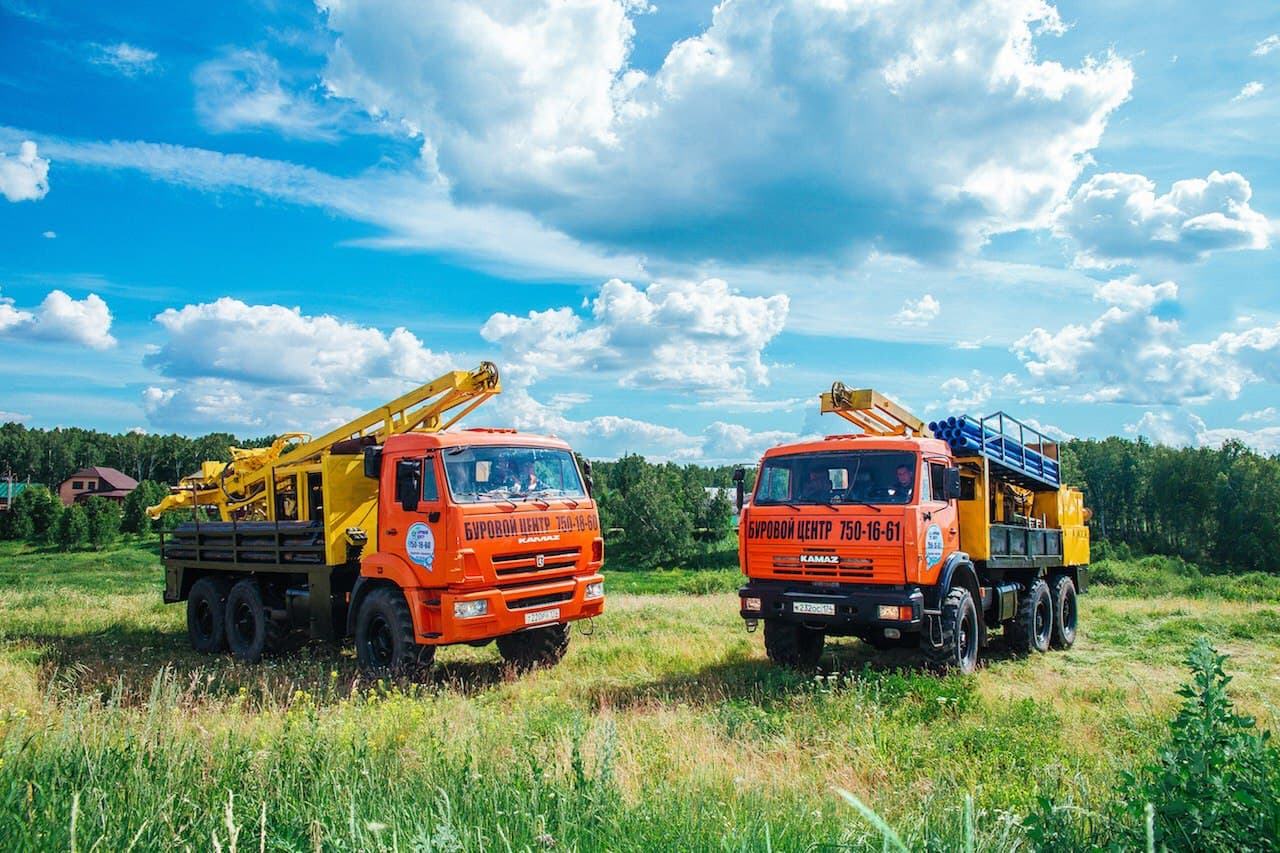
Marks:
<point>393,529</point>
<point>910,534</point>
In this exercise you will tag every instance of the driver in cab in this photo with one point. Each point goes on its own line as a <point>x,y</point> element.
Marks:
<point>817,489</point>
<point>903,484</point>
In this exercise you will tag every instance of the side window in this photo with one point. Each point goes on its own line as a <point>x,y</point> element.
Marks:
<point>937,482</point>
<point>777,484</point>
<point>430,489</point>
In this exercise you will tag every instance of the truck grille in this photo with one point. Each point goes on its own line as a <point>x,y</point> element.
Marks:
<point>845,568</point>
<point>505,565</point>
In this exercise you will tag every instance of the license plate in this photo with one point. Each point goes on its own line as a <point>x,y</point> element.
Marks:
<point>542,616</point>
<point>813,608</point>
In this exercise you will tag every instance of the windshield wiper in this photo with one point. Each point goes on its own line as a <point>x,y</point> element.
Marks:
<point>864,503</point>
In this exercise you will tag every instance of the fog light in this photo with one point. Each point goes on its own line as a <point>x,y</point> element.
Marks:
<point>752,604</point>
<point>892,634</point>
<point>469,609</point>
<point>594,590</point>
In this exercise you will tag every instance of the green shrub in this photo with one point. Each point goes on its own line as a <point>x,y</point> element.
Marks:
<point>1216,782</point>
<point>104,522</point>
<point>73,527</point>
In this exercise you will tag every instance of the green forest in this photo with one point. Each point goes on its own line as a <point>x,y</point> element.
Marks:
<point>1217,507</point>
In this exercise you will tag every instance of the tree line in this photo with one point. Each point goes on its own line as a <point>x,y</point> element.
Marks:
<point>1219,507</point>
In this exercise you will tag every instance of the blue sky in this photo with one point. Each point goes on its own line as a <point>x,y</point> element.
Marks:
<point>671,225</point>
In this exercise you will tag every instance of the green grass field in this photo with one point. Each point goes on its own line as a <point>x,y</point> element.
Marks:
<point>664,728</point>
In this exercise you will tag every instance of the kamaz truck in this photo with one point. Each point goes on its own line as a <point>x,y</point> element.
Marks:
<point>395,530</point>
<point>929,536</point>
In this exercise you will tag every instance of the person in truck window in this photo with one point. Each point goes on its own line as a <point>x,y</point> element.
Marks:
<point>527,481</point>
<point>817,489</point>
<point>903,484</point>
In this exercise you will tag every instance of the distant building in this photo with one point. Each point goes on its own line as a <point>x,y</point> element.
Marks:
<point>96,482</point>
<point>9,490</point>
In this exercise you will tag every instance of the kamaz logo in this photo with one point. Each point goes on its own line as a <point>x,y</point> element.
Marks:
<point>541,561</point>
<point>820,559</point>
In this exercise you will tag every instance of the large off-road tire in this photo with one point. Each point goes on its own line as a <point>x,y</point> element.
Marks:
<point>789,644</point>
<point>206,614</point>
<point>961,634</point>
<point>1062,592</point>
<point>1032,627</point>
<point>537,648</point>
<point>251,632</point>
<point>385,645</point>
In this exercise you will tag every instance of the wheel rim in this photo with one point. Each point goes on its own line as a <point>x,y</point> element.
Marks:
<point>244,625</point>
<point>204,619</point>
<point>967,640</point>
<point>1044,621</point>
<point>1069,617</point>
<point>380,644</point>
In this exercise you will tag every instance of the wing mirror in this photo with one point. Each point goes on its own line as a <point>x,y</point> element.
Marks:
<point>739,474</point>
<point>951,483</point>
<point>408,483</point>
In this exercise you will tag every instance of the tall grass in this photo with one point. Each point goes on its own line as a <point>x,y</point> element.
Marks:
<point>664,729</point>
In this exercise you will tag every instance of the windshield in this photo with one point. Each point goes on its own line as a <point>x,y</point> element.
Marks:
<point>489,473</point>
<point>859,476</point>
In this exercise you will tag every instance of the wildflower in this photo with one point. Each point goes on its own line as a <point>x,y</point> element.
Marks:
<point>545,840</point>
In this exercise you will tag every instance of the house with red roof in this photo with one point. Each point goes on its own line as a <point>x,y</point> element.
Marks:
<point>97,481</point>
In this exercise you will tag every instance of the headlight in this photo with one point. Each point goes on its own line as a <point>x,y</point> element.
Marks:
<point>468,609</point>
<point>595,590</point>
<point>752,604</point>
<point>893,613</point>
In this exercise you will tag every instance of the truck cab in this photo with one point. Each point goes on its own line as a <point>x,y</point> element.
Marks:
<point>488,532</point>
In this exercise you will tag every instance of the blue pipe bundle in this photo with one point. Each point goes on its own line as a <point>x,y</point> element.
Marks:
<point>969,435</point>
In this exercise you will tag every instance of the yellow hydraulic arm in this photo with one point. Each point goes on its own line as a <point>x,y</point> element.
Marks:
<point>243,481</point>
<point>872,411</point>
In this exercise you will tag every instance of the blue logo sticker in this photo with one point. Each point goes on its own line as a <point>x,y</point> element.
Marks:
<point>933,545</point>
<point>420,544</point>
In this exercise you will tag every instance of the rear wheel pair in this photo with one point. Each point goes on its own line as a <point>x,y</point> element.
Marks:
<point>1047,616</point>
<point>222,616</point>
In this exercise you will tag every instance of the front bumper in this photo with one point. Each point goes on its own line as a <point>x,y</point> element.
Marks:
<point>508,611</point>
<point>848,609</point>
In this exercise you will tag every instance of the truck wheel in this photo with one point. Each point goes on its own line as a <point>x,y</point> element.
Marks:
<point>960,634</point>
<point>206,614</point>
<point>1033,625</point>
<point>385,645</point>
<point>251,632</point>
<point>541,647</point>
<point>1065,615</point>
<point>789,644</point>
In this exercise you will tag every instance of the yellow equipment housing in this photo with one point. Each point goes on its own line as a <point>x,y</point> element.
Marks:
<point>300,478</point>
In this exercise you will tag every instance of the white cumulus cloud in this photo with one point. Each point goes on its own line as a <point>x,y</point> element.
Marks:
<point>785,129</point>
<point>675,335</point>
<point>1249,90</point>
<point>1268,44</point>
<point>918,312</point>
<point>24,177</point>
<point>1180,428</point>
<point>60,318</point>
<point>1117,218</point>
<point>1132,355</point>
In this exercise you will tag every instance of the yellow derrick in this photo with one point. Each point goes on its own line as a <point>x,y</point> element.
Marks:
<point>248,481</point>
<point>872,412</point>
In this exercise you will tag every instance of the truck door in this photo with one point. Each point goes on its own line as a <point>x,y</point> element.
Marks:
<point>415,521</point>
<point>939,524</point>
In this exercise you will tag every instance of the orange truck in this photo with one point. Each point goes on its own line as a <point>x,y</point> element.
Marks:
<point>395,530</point>
<point>927,536</point>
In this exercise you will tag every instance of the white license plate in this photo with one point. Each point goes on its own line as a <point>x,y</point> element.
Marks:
<point>813,608</point>
<point>542,616</point>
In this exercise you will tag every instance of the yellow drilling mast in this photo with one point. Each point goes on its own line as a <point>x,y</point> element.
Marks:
<point>248,484</point>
